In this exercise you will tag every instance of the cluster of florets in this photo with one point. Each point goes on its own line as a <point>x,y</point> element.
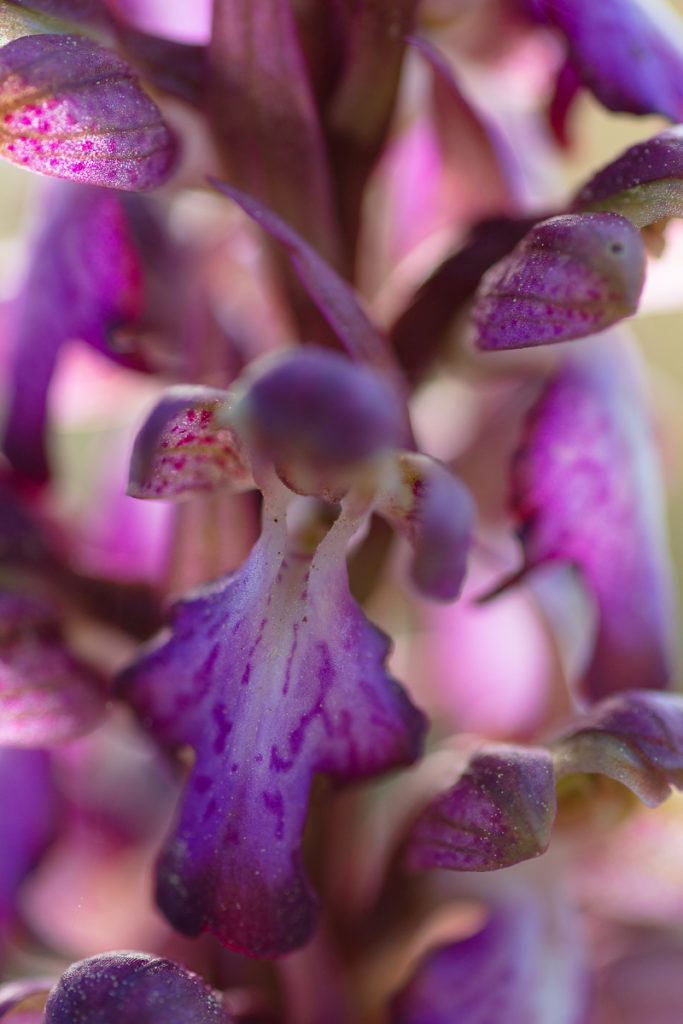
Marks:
<point>249,231</point>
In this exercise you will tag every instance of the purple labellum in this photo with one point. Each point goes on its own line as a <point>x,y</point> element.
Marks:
<point>46,695</point>
<point>586,489</point>
<point>569,277</point>
<point>499,812</point>
<point>492,977</point>
<point>132,988</point>
<point>72,109</point>
<point>435,512</point>
<point>186,447</point>
<point>630,59</point>
<point>644,184</point>
<point>75,289</point>
<point>635,738</point>
<point>271,675</point>
<point>319,417</point>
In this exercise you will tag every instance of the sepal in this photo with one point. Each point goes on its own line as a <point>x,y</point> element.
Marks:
<point>186,446</point>
<point>114,987</point>
<point>644,184</point>
<point>434,511</point>
<point>635,738</point>
<point>499,812</point>
<point>73,109</point>
<point>570,276</point>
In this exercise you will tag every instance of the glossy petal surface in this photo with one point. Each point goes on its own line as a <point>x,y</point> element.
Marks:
<point>569,277</point>
<point>499,812</point>
<point>85,280</point>
<point>435,512</point>
<point>185,447</point>
<point>627,56</point>
<point>72,109</point>
<point>271,675</point>
<point>131,988</point>
<point>46,695</point>
<point>586,489</point>
<point>635,738</point>
<point>645,183</point>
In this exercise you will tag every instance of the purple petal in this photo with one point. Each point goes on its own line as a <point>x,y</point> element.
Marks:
<point>46,695</point>
<point>506,973</point>
<point>185,448</point>
<point>499,812</point>
<point>569,277</point>
<point>335,299</point>
<point>29,816</point>
<point>319,417</point>
<point>635,738</point>
<point>629,58</point>
<point>72,290</point>
<point>22,1002</point>
<point>644,184</point>
<point>271,675</point>
<point>73,109</point>
<point>435,512</point>
<point>265,117</point>
<point>114,988</point>
<point>586,489</point>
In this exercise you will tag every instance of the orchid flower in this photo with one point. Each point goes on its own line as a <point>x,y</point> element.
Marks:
<point>273,674</point>
<point>395,430</point>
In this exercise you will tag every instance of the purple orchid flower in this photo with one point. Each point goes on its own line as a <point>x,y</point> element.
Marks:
<point>599,508</point>
<point>276,674</point>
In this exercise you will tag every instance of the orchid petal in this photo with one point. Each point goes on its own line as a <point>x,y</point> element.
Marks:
<point>186,447</point>
<point>585,487</point>
<point>271,675</point>
<point>113,988</point>
<point>623,52</point>
<point>499,812</point>
<point>265,117</point>
<point>506,973</point>
<point>73,109</point>
<point>569,277</point>
<point>435,512</point>
<point>46,695</point>
<point>635,738</point>
<point>320,417</point>
<point>645,183</point>
<point>72,291</point>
